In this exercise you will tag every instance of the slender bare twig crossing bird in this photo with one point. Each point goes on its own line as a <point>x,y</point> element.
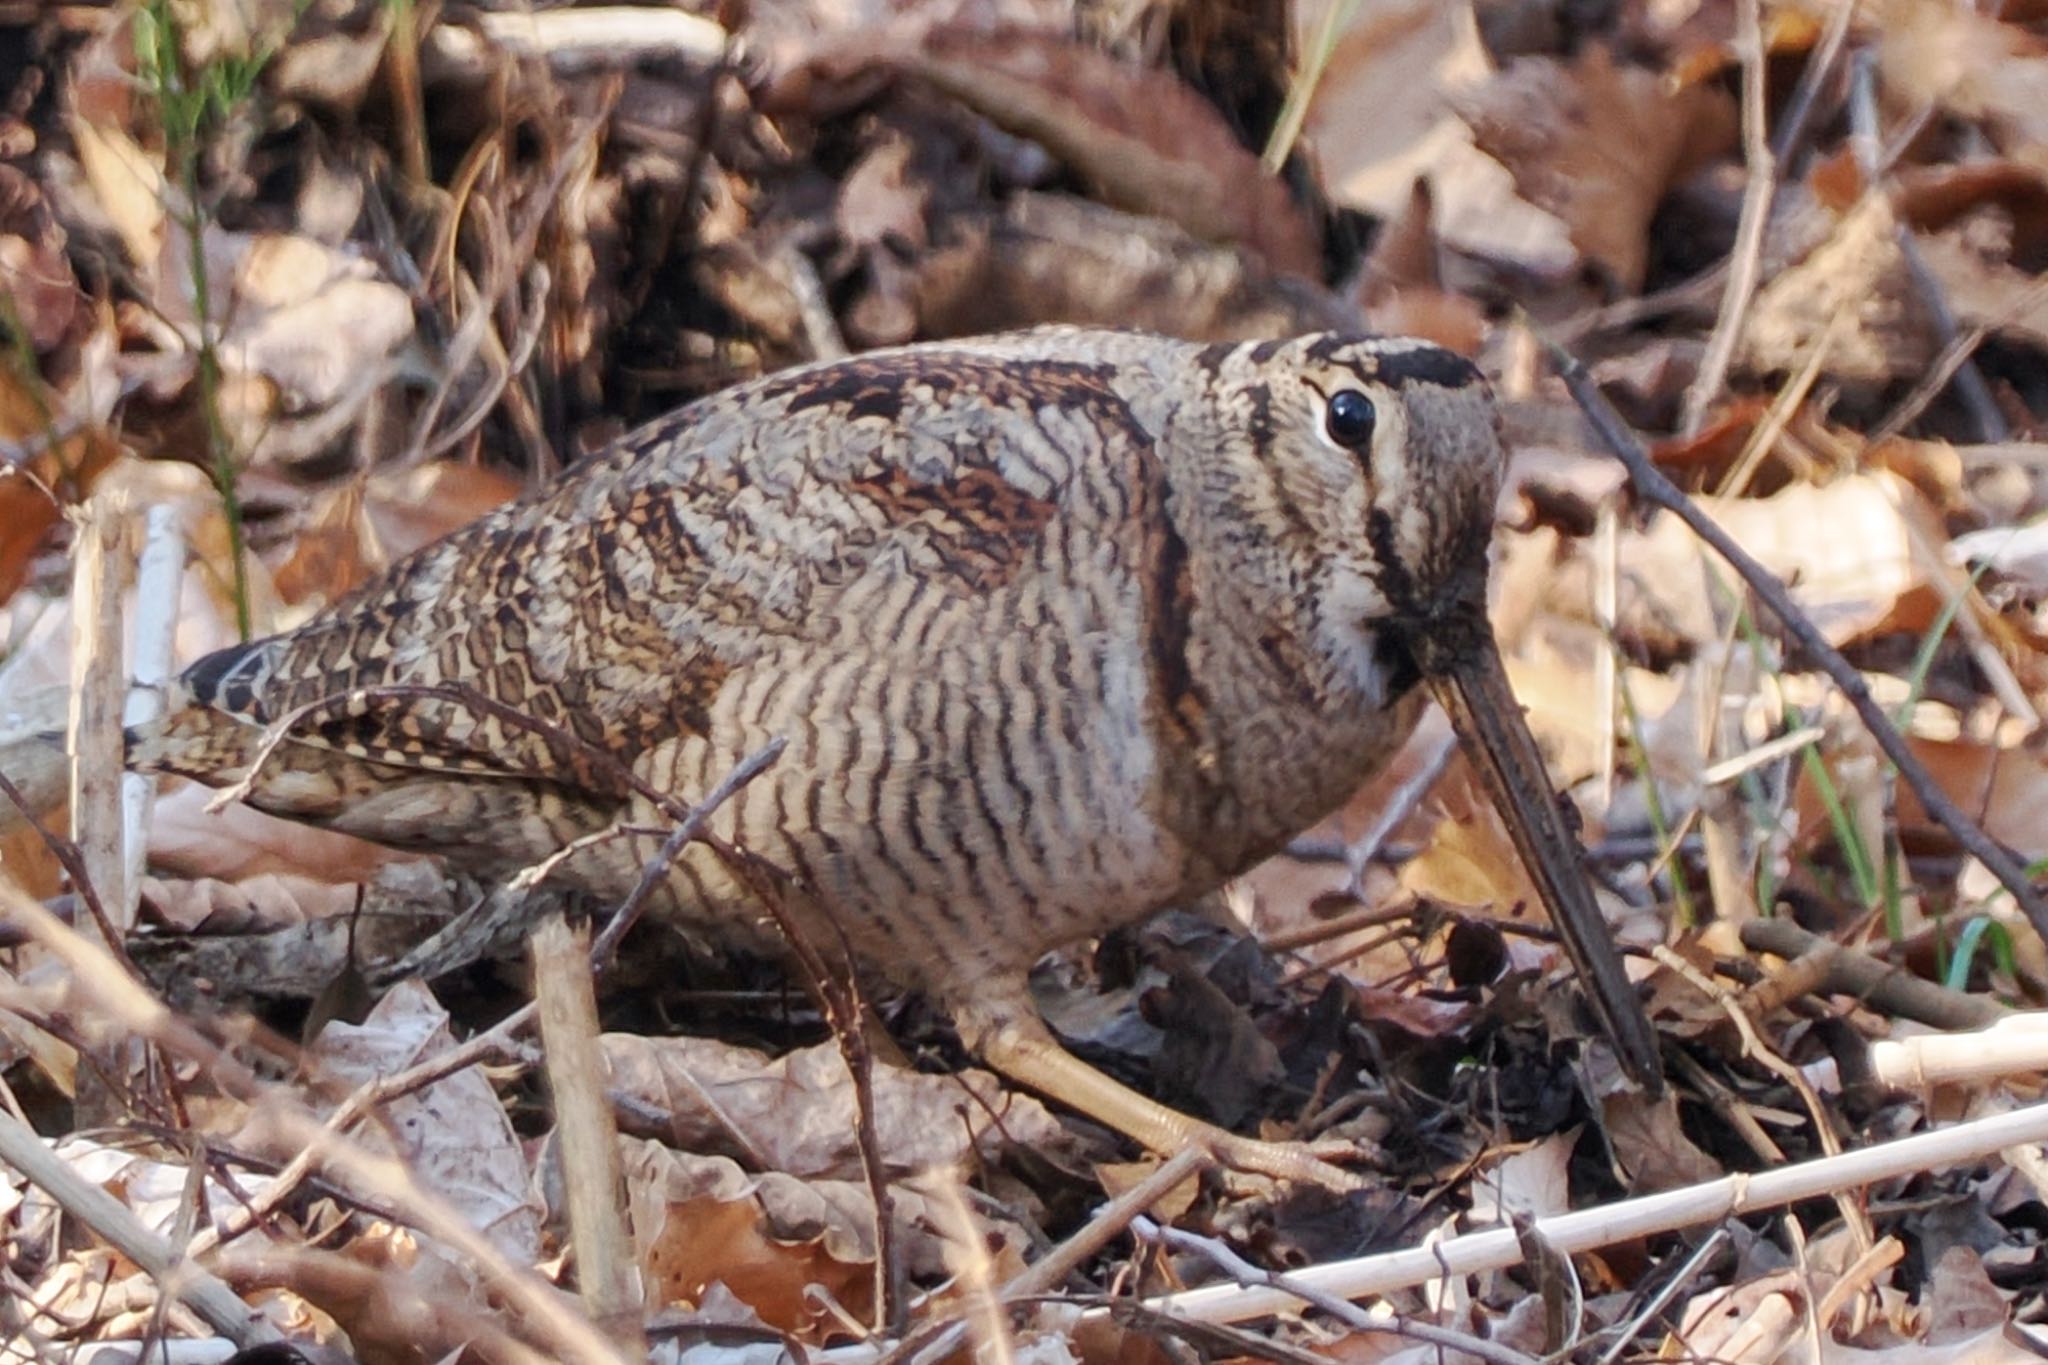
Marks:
<point>1061,628</point>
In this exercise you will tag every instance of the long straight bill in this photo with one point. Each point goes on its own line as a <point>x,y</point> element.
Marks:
<point>1463,668</point>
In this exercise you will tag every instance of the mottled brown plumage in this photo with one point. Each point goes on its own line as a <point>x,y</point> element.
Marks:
<point>1060,627</point>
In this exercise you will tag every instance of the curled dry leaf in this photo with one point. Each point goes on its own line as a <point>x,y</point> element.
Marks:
<point>310,318</point>
<point>36,278</point>
<point>1972,65</point>
<point>1140,136</point>
<point>453,1135</point>
<point>1861,579</point>
<point>1533,1182</point>
<point>1469,862</point>
<point>796,1112</point>
<point>1598,143</point>
<point>880,217</point>
<point>1855,294</point>
<point>360,528</point>
<point>239,843</point>
<point>701,1221</point>
<point>1382,119</point>
<point>160,1193</point>
<point>2017,554</point>
<point>1052,258</point>
<point>256,905</point>
<point>2006,787</point>
<point>1402,288</point>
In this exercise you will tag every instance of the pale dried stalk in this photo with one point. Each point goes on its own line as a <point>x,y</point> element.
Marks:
<point>607,1276</point>
<point>1746,260</point>
<point>115,1224</point>
<point>1588,1229</point>
<point>158,579</point>
<point>113,1000</point>
<point>571,40</point>
<point>93,733</point>
<point>2014,1046</point>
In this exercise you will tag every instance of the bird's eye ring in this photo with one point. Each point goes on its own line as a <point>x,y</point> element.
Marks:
<point>1350,419</point>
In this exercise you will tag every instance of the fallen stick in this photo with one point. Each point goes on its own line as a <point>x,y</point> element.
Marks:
<point>1589,1229</point>
<point>1653,487</point>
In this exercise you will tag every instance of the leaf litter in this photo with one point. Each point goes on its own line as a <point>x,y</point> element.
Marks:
<point>444,251</point>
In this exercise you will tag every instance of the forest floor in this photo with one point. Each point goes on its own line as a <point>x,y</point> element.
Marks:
<point>290,288</point>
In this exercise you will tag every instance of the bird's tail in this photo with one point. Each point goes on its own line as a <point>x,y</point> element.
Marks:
<point>191,741</point>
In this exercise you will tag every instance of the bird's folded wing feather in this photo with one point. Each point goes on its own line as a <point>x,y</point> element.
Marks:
<point>616,606</point>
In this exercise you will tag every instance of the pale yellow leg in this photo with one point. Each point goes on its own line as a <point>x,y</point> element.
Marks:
<point>1010,1037</point>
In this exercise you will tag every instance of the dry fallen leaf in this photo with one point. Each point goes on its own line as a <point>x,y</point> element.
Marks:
<point>1972,65</point>
<point>700,1222</point>
<point>1139,135</point>
<point>796,1112</point>
<point>1382,120</point>
<point>1598,142</point>
<point>453,1135</point>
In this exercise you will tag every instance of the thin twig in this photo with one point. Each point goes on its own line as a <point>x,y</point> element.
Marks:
<point>1625,1333</point>
<point>125,1006</point>
<point>939,1340</point>
<point>1790,144</point>
<point>690,827</point>
<point>837,991</point>
<point>1745,262</point>
<point>1863,144</point>
<point>116,1225</point>
<point>1653,487</point>
<point>1253,1277</point>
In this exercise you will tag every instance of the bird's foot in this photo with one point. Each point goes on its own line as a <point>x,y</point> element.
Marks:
<point>1306,1162</point>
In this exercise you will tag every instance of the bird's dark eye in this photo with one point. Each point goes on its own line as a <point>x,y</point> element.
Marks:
<point>1351,419</point>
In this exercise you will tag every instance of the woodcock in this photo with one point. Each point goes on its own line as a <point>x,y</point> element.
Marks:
<point>1061,628</point>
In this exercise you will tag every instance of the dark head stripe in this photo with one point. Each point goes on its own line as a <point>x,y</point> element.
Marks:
<point>1427,365</point>
<point>1420,364</point>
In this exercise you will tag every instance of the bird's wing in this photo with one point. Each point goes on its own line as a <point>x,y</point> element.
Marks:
<point>616,606</point>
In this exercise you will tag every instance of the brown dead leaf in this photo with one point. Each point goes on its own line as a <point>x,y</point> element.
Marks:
<point>1598,143</point>
<point>704,1242</point>
<point>36,278</point>
<point>1382,119</point>
<point>1054,258</point>
<point>1401,286</point>
<point>258,904</point>
<point>453,1135</point>
<point>1650,1143</point>
<point>1972,65</point>
<point>128,187</point>
<point>33,494</point>
<point>1933,197</point>
<point>700,1221</point>
<point>1701,43</point>
<point>2006,789</point>
<point>1139,135</point>
<point>1470,862</point>
<point>796,1112</point>
<point>360,528</point>
<point>1860,580</point>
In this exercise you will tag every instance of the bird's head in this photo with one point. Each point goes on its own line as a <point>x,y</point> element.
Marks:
<point>1376,464</point>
